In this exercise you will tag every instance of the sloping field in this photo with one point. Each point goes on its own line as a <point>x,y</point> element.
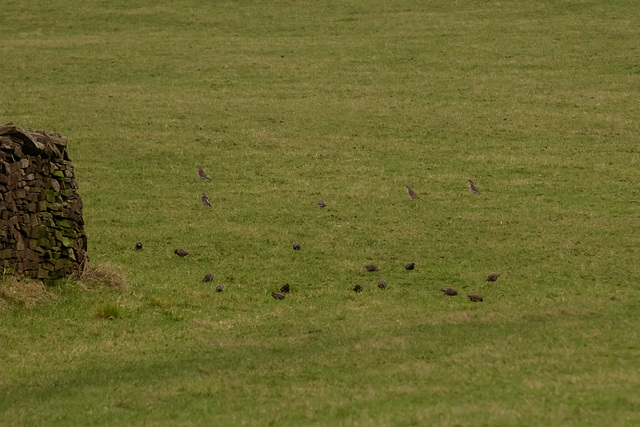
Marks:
<point>285,103</point>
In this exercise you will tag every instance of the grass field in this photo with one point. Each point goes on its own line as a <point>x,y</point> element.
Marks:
<point>285,103</point>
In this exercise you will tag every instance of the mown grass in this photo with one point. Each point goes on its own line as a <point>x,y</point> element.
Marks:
<point>286,103</point>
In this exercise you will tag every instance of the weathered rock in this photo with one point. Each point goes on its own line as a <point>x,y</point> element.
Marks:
<point>41,225</point>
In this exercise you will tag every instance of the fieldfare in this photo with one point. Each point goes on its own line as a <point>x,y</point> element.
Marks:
<point>277,295</point>
<point>202,175</point>
<point>472,187</point>
<point>412,193</point>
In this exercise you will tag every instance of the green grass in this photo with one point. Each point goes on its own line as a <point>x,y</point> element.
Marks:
<point>283,104</point>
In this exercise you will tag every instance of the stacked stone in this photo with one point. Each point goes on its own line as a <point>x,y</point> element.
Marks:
<point>41,226</point>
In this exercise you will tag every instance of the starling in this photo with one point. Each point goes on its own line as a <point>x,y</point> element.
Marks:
<point>285,288</point>
<point>277,295</point>
<point>296,246</point>
<point>492,277</point>
<point>208,277</point>
<point>219,288</point>
<point>202,175</point>
<point>449,292</point>
<point>472,187</point>
<point>138,245</point>
<point>321,204</point>
<point>357,289</point>
<point>475,298</point>
<point>372,267</point>
<point>205,200</point>
<point>412,193</point>
<point>181,253</point>
<point>382,284</point>
<point>410,266</point>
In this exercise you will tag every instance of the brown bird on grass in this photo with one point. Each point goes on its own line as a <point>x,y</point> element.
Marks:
<point>321,204</point>
<point>382,284</point>
<point>202,175</point>
<point>412,193</point>
<point>138,245</point>
<point>205,200</point>
<point>472,187</point>
<point>219,288</point>
<point>410,266</point>
<point>277,295</point>
<point>493,277</point>
<point>357,289</point>
<point>475,298</point>
<point>285,288</point>
<point>450,292</point>
<point>208,277</point>
<point>181,253</point>
<point>296,246</point>
<point>372,267</point>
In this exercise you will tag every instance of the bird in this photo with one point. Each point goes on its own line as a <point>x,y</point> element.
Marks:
<point>475,298</point>
<point>472,187</point>
<point>208,277</point>
<point>285,288</point>
<point>357,289</point>
<point>493,277</point>
<point>372,267</point>
<point>412,193</point>
<point>321,204</point>
<point>219,288</point>
<point>205,200</point>
<point>138,245</point>
<point>296,246</point>
<point>202,175</point>
<point>382,284</point>
<point>410,266</point>
<point>277,295</point>
<point>449,292</point>
<point>181,253</point>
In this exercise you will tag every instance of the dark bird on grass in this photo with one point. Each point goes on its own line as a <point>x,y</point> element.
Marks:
<point>205,200</point>
<point>285,288</point>
<point>492,277</point>
<point>181,253</point>
<point>202,175</point>
<point>472,187</point>
<point>321,204</point>
<point>410,266</point>
<point>208,277</point>
<point>412,193</point>
<point>475,298</point>
<point>450,292</point>
<point>219,288</point>
<point>372,267</point>
<point>357,289</point>
<point>138,245</point>
<point>296,246</point>
<point>382,284</point>
<point>277,295</point>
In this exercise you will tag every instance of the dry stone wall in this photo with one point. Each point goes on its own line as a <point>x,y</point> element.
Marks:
<point>41,226</point>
